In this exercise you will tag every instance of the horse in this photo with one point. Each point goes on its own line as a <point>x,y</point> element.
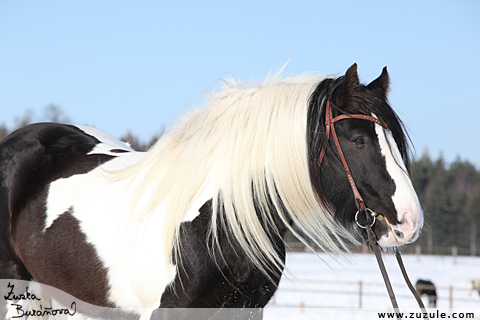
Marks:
<point>473,285</point>
<point>426,287</point>
<point>198,221</point>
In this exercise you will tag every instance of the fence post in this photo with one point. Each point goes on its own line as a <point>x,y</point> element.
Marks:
<point>360,294</point>
<point>454,254</point>
<point>473,240</point>
<point>450,296</point>
<point>418,252</point>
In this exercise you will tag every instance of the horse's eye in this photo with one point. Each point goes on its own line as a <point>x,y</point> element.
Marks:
<point>359,142</point>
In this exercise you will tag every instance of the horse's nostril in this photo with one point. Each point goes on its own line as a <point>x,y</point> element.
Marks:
<point>415,234</point>
<point>399,234</point>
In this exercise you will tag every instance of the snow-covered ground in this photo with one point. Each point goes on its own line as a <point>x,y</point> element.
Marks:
<point>321,287</point>
<point>317,286</point>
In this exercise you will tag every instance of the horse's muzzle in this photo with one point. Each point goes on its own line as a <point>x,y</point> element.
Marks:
<point>404,233</point>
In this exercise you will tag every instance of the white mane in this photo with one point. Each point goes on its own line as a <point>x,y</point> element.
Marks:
<point>250,141</point>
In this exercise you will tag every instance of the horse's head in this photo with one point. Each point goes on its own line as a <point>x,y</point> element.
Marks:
<point>375,150</point>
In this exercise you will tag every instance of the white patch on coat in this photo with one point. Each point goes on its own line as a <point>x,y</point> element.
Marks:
<point>405,199</point>
<point>108,142</point>
<point>131,249</point>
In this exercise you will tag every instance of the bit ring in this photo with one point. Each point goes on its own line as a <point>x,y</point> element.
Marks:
<point>371,213</point>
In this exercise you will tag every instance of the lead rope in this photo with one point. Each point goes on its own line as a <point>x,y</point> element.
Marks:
<point>407,280</point>
<point>373,244</point>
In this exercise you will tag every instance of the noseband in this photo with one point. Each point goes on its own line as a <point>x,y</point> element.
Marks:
<point>371,238</point>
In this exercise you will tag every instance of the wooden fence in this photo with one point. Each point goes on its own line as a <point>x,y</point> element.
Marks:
<point>453,251</point>
<point>360,294</point>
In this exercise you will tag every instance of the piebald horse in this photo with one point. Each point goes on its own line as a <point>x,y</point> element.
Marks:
<point>198,221</point>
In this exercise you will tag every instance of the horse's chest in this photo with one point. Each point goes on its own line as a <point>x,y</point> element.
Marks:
<point>209,278</point>
<point>215,290</point>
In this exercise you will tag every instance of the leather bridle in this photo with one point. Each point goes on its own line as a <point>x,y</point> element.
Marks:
<point>330,127</point>
<point>371,238</point>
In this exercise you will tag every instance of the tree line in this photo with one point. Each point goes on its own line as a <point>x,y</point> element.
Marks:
<point>450,196</point>
<point>449,193</point>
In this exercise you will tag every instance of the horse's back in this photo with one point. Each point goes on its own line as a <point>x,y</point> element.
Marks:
<point>38,154</point>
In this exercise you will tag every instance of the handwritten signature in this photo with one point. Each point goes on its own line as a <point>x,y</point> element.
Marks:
<point>27,296</point>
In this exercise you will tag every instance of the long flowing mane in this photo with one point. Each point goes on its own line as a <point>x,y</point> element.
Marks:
<point>250,144</point>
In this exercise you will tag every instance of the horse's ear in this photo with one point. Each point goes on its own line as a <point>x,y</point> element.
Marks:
<point>346,92</point>
<point>381,84</point>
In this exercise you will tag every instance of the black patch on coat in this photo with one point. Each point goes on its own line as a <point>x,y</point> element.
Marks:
<point>207,278</point>
<point>32,158</point>
<point>119,151</point>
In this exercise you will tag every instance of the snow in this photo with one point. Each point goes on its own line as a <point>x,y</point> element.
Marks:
<point>318,286</point>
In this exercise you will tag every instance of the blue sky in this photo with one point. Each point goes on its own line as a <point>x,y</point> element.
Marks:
<point>134,65</point>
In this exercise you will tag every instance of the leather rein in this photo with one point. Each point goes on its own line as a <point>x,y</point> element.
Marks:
<point>371,238</point>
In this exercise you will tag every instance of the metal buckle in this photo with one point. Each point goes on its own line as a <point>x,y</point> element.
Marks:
<point>371,213</point>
